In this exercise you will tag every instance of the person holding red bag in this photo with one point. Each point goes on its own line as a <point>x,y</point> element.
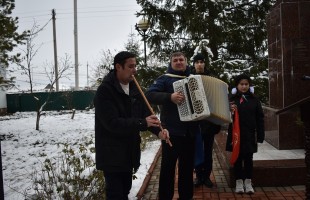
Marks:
<point>251,131</point>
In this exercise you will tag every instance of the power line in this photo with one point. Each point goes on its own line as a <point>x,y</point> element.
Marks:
<point>20,20</point>
<point>43,74</point>
<point>71,12</point>
<point>42,27</point>
<point>70,9</point>
<point>95,16</point>
<point>100,11</point>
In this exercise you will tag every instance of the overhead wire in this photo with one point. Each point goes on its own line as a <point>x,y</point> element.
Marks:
<point>42,27</point>
<point>71,12</point>
<point>83,13</point>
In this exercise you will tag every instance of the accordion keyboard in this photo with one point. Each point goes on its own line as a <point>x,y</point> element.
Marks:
<point>183,107</point>
<point>196,100</point>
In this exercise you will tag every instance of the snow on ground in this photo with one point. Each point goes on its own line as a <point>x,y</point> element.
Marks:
<point>24,148</point>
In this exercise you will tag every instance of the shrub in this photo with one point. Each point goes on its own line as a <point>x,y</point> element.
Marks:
<point>71,176</point>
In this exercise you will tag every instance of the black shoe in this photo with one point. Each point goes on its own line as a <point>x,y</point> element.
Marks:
<point>198,182</point>
<point>208,183</point>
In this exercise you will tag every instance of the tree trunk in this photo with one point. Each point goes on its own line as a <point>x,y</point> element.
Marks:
<point>73,112</point>
<point>38,120</point>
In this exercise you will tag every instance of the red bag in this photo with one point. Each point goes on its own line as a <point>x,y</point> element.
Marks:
<point>235,138</point>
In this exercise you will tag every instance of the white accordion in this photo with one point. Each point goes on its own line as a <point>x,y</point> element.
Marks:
<point>206,98</point>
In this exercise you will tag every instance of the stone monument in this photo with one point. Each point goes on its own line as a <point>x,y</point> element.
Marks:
<point>288,117</point>
<point>288,26</point>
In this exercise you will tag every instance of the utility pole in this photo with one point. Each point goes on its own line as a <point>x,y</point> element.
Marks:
<point>55,50</point>
<point>1,176</point>
<point>76,47</point>
<point>87,75</point>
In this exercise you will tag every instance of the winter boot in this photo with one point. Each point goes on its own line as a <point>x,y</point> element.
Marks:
<point>248,186</point>
<point>198,182</point>
<point>239,186</point>
<point>208,183</point>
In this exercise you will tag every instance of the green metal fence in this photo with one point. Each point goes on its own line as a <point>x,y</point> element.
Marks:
<point>67,100</point>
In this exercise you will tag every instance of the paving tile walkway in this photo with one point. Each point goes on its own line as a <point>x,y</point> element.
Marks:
<point>221,190</point>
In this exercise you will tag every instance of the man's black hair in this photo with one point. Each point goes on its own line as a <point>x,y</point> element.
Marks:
<point>197,57</point>
<point>121,58</point>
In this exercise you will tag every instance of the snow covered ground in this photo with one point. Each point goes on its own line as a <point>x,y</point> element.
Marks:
<point>24,148</point>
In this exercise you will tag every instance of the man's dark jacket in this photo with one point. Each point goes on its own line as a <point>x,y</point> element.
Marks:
<point>118,120</point>
<point>159,93</point>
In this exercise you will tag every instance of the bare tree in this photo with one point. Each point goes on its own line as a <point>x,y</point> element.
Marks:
<point>29,53</point>
<point>64,71</point>
<point>26,66</point>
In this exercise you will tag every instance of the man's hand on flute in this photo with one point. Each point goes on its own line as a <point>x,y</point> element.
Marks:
<point>153,121</point>
<point>164,135</point>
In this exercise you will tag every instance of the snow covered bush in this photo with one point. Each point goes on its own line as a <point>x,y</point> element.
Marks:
<point>72,175</point>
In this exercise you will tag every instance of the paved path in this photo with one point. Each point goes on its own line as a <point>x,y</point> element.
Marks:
<point>221,190</point>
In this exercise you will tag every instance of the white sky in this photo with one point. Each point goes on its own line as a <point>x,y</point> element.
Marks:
<point>23,147</point>
<point>102,25</point>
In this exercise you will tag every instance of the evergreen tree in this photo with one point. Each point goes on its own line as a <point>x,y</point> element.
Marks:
<point>146,72</point>
<point>102,68</point>
<point>9,37</point>
<point>235,32</point>
<point>133,46</point>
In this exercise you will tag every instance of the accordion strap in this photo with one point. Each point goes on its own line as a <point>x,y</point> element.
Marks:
<point>174,75</point>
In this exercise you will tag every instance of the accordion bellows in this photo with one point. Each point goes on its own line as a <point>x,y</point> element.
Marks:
<point>206,98</point>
